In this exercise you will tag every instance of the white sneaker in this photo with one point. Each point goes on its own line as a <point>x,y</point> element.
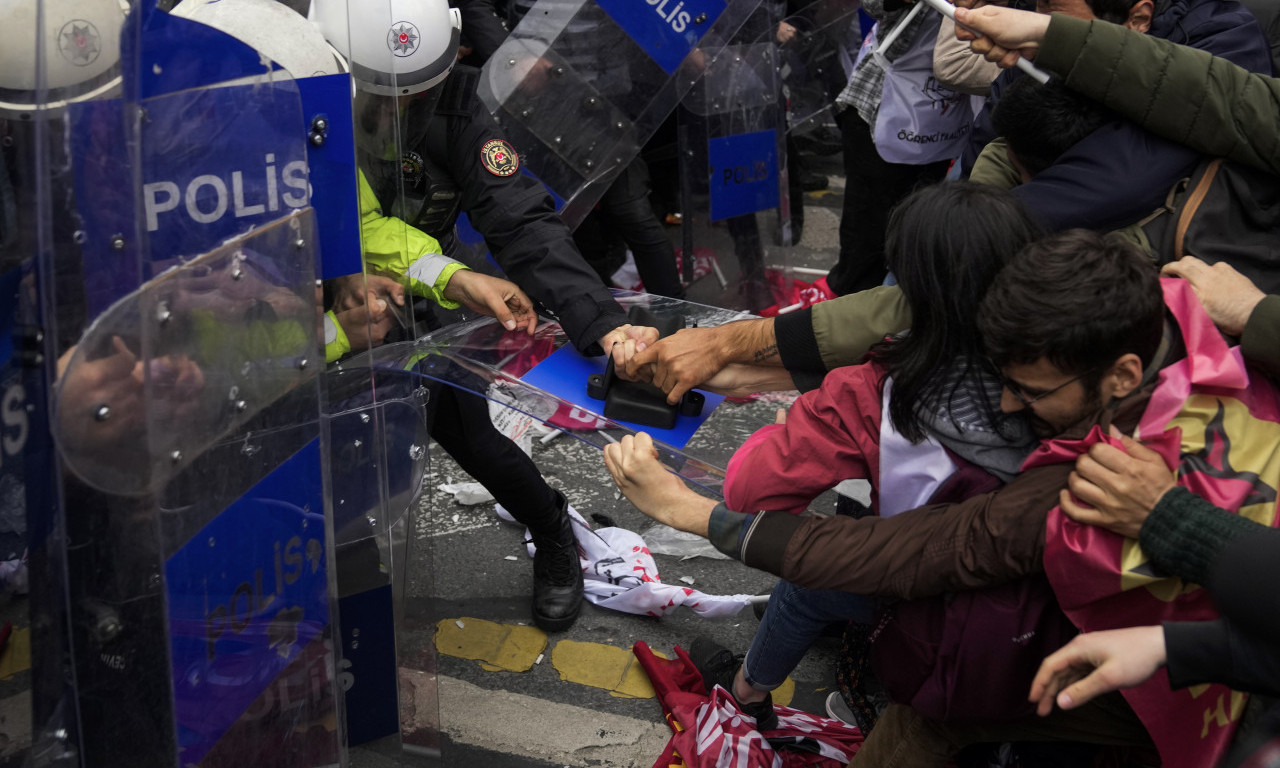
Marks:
<point>838,710</point>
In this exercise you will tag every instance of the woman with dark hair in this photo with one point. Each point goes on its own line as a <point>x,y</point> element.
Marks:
<point>923,408</point>
<point>944,246</point>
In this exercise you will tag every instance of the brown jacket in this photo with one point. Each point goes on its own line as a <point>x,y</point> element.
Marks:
<point>988,539</point>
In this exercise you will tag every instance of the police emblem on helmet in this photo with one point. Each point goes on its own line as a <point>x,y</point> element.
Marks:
<point>402,38</point>
<point>79,42</point>
<point>499,158</point>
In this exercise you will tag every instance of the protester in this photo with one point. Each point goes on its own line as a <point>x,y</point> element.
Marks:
<point>874,185</point>
<point>1121,173</point>
<point>946,242</point>
<point>1182,93</point>
<point>1113,356</point>
<point>1132,492</point>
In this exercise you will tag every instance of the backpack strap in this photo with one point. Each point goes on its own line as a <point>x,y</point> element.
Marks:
<point>1196,197</point>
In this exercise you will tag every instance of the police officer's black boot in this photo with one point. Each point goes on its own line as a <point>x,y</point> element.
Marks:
<point>557,574</point>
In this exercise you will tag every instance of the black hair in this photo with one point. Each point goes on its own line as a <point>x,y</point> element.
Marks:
<point>1114,11</point>
<point>1078,298</point>
<point>1041,122</point>
<point>945,243</point>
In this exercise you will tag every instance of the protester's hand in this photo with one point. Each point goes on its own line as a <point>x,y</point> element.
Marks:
<point>493,296</point>
<point>648,485</point>
<point>786,33</point>
<point>1095,663</point>
<point>1228,296</point>
<point>351,291</point>
<point>1116,488</point>
<point>623,342</point>
<point>679,362</point>
<point>367,324</point>
<point>1007,34</point>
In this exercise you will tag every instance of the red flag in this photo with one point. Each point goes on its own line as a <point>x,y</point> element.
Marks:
<point>712,732</point>
<point>1220,429</point>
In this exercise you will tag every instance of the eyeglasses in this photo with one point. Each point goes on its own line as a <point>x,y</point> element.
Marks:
<point>1016,389</point>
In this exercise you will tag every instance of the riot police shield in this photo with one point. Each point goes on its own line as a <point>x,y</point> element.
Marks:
<point>818,42</point>
<point>581,85</point>
<point>744,171</point>
<point>733,161</point>
<point>181,557</point>
<point>543,377</point>
<point>380,287</point>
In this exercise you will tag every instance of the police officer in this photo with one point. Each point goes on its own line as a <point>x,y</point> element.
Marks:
<point>457,161</point>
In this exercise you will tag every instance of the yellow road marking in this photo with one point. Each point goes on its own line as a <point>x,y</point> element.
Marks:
<point>602,666</point>
<point>498,647</point>
<point>515,648</point>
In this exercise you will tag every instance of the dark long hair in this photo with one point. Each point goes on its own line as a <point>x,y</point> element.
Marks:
<point>945,243</point>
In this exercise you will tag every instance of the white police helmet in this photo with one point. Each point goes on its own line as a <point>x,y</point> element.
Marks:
<point>273,29</point>
<point>80,57</point>
<point>393,47</point>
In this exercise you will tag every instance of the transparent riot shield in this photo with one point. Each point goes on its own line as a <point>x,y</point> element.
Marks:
<point>376,421</point>
<point>181,557</point>
<point>744,175</point>
<point>816,58</point>
<point>581,85</point>
<point>545,378</point>
<point>733,172</point>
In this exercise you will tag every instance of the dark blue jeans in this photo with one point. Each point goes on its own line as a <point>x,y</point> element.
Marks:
<point>795,619</point>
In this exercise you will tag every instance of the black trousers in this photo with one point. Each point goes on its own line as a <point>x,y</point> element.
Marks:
<point>872,188</point>
<point>459,422</point>
<point>626,210</point>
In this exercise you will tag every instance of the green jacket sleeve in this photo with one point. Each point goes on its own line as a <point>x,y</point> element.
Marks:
<point>1183,94</point>
<point>336,343</point>
<point>993,167</point>
<point>393,247</point>
<point>1261,340</point>
<point>845,328</point>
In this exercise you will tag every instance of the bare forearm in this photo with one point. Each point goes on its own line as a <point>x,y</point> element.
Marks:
<point>736,380</point>
<point>690,516</point>
<point>750,342</point>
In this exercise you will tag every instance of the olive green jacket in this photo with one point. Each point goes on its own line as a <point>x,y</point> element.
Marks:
<point>1183,94</point>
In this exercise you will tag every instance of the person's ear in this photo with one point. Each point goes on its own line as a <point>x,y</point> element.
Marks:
<point>1140,15</point>
<point>1122,378</point>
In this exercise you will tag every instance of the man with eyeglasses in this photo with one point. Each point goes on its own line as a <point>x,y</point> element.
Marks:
<point>1075,327</point>
<point>1063,355</point>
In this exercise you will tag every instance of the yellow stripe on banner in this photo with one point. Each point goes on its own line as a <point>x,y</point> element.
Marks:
<point>498,647</point>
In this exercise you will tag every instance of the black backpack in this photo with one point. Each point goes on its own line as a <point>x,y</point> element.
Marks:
<point>1225,211</point>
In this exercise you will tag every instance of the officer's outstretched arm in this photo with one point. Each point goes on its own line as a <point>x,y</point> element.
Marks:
<point>493,296</point>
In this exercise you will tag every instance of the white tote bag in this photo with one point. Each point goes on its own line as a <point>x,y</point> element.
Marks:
<point>919,121</point>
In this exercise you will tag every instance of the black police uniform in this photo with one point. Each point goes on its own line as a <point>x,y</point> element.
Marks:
<point>458,161</point>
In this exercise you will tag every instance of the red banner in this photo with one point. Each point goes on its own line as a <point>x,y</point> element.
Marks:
<point>1218,427</point>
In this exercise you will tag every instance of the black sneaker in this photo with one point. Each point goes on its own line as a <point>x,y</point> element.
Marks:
<point>718,666</point>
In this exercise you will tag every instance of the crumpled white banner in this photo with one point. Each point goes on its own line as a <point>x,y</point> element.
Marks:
<point>620,573</point>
